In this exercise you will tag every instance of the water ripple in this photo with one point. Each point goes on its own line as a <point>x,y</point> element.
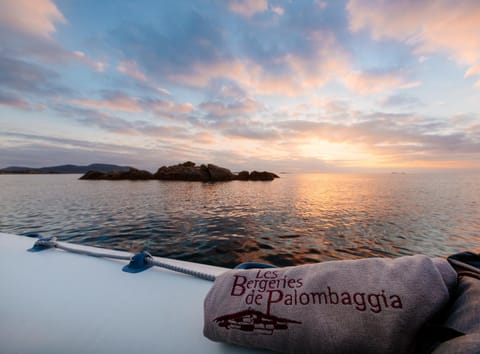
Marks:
<point>294,220</point>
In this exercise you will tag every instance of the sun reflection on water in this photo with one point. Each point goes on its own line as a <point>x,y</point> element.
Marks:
<point>296,219</point>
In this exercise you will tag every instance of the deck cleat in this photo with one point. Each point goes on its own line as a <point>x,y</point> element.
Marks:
<point>43,243</point>
<point>138,263</point>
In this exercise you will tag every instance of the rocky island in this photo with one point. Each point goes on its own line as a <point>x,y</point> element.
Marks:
<point>187,171</point>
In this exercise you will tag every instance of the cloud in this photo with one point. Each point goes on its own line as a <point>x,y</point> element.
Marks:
<point>375,82</point>
<point>26,34</point>
<point>443,26</point>
<point>195,55</point>
<point>24,77</point>
<point>313,61</point>
<point>219,109</point>
<point>123,102</point>
<point>331,106</point>
<point>326,61</point>
<point>288,57</point>
<point>320,4</point>
<point>199,74</point>
<point>161,52</point>
<point>272,79</point>
<point>36,18</point>
<point>35,150</point>
<point>131,69</point>
<point>474,70</point>
<point>393,138</point>
<point>94,118</point>
<point>386,134</point>
<point>43,151</point>
<point>45,51</point>
<point>278,10</point>
<point>401,100</point>
<point>264,58</point>
<point>97,65</point>
<point>224,89</point>
<point>17,137</point>
<point>168,108</point>
<point>113,123</point>
<point>13,101</point>
<point>318,61</point>
<point>244,129</point>
<point>141,128</point>
<point>41,155</point>
<point>113,101</point>
<point>226,99</point>
<point>248,8</point>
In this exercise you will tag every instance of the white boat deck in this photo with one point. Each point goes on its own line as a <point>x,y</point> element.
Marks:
<point>58,302</point>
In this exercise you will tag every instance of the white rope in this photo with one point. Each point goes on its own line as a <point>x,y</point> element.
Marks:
<point>52,243</point>
<point>91,253</point>
<point>179,269</point>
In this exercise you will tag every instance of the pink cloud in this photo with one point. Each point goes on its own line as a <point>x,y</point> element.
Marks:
<point>386,136</point>
<point>331,106</point>
<point>26,29</point>
<point>168,107</point>
<point>98,66</point>
<point>246,73</point>
<point>15,102</point>
<point>131,69</point>
<point>35,18</point>
<point>205,138</point>
<point>201,73</point>
<point>369,83</point>
<point>473,70</point>
<point>327,61</point>
<point>248,8</point>
<point>442,26</point>
<point>116,103</point>
<point>278,10</point>
<point>331,62</point>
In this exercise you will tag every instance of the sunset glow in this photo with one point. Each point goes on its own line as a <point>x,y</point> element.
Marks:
<point>294,86</point>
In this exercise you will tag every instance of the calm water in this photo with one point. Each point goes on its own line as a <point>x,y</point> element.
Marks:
<point>295,219</point>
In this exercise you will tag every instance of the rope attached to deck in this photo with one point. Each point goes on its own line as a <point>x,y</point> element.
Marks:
<point>178,269</point>
<point>149,261</point>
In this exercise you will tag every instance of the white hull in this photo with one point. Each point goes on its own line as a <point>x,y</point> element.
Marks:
<point>58,302</point>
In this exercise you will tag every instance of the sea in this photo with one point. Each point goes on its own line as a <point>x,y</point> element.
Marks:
<point>296,219</point>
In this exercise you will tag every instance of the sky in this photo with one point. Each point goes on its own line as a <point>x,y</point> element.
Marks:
<point>294,86</point>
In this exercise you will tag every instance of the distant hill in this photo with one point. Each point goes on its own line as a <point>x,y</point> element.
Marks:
<point>65,169</point>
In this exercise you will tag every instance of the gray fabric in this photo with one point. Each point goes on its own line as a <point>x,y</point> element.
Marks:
<point>371,305</point>
<point>464,314</point>
<point>467,344</point>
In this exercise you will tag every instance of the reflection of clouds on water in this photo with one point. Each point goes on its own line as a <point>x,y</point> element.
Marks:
<point>294,220</point>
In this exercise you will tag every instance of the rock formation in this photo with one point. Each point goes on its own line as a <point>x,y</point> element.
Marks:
<point>218,174</point>
<point>262,176</point>
<point>131,174</point>
<point>243,176</point>
<point>187,171</point>
<point>183,172</point>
